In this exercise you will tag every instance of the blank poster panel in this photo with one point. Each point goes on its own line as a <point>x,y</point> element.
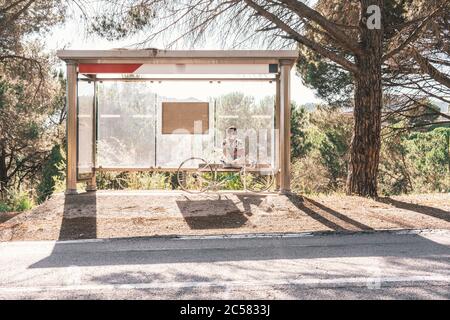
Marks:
<point>185,117</point>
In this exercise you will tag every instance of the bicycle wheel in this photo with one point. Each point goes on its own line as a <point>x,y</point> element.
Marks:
<point>194,175</point>
<point>257,180</point>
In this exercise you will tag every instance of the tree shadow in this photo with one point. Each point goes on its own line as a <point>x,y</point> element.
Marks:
<point>299,202</point>
<point>5,216</point>
<point>425,210</point>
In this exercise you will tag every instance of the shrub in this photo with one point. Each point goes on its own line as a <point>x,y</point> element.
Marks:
<point>133,180</point>
<point>23,204</point>
<point>309,176</point>
<point>321,160</point>
<point>428,156</point>
<point>300,144</point>
<point>409,162</point>
<point>4,207</point>
<point>52,173</point>
<point>394,175</point>
<point>16,200</point>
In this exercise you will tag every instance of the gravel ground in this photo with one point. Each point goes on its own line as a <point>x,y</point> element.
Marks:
<point>107,214</point>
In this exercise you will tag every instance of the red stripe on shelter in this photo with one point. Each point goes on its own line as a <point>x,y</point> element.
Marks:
<point>107,68</point>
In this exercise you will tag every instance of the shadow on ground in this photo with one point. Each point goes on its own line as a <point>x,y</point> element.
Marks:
<point>5,216</point>
<point>220,213</point>
<point>202,214</point>
<point>80,222</point>
<point>162,251</point>
<point>426,210</point>
<point>77,226</point>
<point>340,220</point>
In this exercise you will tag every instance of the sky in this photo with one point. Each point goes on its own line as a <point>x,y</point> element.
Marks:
<point>72,35</point>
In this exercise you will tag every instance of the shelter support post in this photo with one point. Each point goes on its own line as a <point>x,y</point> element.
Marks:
<point>277,133</point>
<point>71,128</point>
<point>285,126</point>
<point>91,184</point>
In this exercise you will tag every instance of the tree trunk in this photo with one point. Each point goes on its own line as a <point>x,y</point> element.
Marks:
<point>366,141</point>
<point>3,173</point>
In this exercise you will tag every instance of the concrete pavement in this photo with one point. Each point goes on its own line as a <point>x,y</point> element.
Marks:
<point>381,265</point>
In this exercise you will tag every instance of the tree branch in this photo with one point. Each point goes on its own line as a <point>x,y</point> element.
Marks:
<point>429,69</point>
<point>348,65</point>
<point>304,11</point>
<point>12,5</point>
<point>18,13</point>
<point>415,34</point>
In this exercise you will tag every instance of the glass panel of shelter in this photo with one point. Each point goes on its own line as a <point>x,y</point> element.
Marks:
<point>86,129</point>
<point>126,124</point>
<point>130,115</point>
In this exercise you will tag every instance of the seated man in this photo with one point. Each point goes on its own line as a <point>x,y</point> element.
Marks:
<point>233,149</point>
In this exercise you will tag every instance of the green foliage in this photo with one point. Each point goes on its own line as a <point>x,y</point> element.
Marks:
<point>16,200</point>
<point>51,173</point>
<point>309,175</point>
<point>334,143</point>
<point>30,121</point>
<point>133,180</point>
<point>394,176</point>
<point>409,162</point>
<point>320,150</point>
<point>23,204</point>
<point>231,181</point>
<point>4,207</point>
<point>331,83</point>
<point>429,159</point>
<point>416,162</point>
<point>299,122</point>
<point>30,95</point>
<point>134,19</point>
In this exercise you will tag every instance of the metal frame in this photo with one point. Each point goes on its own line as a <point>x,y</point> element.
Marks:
<point>71,128</point>
<point>285,126</point>
<point>182,79</point>
<point>285,59</point>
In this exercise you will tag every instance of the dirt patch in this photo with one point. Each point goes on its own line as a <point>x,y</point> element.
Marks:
<point>135,214</point>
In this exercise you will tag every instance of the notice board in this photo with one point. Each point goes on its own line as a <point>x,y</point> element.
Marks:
<point>185,117</point>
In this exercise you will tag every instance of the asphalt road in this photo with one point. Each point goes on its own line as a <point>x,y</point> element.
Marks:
<point>359,266</point>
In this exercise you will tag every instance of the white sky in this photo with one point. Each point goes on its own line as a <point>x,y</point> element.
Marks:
<point>73,36</point>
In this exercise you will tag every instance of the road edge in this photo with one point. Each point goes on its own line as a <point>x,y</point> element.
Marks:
<point>269,235</point>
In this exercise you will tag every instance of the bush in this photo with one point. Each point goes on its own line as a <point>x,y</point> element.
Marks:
<point>4,207</point>
<point>309,176</point>
<point>52,174</point>
<point>23,204</point>
<point>409,162</point>
<point>16,200</point>
<point>394,175</point>
<point>320,155</point>
<point>300,145</point>
<point>133,180</point>
<point>428,156</point>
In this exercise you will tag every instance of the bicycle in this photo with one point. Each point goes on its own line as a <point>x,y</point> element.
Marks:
<point>196,175</point>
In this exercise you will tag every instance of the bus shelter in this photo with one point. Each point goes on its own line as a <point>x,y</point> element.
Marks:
<point>148,110</point>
